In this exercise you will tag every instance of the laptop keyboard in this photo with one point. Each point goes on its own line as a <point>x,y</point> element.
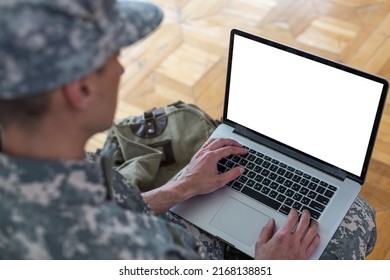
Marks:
<point>278,185</point>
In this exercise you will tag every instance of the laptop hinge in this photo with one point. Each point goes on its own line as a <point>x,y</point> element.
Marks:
<point>331,170</point>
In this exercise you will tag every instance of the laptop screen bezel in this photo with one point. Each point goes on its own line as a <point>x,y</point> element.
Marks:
<point>288,150</point>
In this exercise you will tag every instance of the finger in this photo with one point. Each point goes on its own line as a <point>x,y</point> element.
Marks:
<point>267,232</point>
<point>230,150</point>
<point>313,245</point>
<point>303,224</point>
<point>292,220</point>
<point>208,142</point>
<point>310,234</point>
<point>221,142</point>
<point>232,174</point>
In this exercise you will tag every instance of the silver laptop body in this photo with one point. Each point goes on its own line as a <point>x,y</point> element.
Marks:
<point>301,112</point>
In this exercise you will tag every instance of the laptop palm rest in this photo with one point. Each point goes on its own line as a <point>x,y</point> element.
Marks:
<point>239,221</point>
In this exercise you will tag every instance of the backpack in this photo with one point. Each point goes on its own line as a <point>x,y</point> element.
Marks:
<point>153,147</point>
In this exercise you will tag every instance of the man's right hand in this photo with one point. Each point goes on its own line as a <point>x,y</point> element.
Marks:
<point>295,240</point>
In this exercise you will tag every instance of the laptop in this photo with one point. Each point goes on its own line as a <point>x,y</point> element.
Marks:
<point>309,125</point>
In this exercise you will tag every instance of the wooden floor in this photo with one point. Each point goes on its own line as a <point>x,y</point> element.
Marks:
<point>186,59</point>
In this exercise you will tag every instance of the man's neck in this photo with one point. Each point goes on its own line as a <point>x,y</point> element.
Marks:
<point>43,144</point>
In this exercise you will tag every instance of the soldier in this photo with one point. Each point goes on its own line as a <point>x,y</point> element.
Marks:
<point>59,75</point>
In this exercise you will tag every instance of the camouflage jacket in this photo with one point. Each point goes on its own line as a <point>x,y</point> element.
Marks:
<point>59,210</point>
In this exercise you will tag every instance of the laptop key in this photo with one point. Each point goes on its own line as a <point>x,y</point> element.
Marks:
<point>272,176</point>
<point>313,214</point>
<point>312,186</point>
<point>237,185</point>
<point>273,194</point>
<point>312,194</point>
<point>304,182</point>
<point>285,209</point>
<point>259,178</point>
<point>251,174</point>
<point>303,190</point>
<point>328,193</point>
<point>320,189</point>
<point>265,172</point>
<point>305,200</point>
<point>315,180</point>
<point>288,175</point>
<point>317,206</point>
<point>251,157</point>
<point>266,164</point>
<point>283,165</point>
<point>296,187</point>
<point>221,168</point>
<point>259,161</point>
<point>289,201</point>
<point>236,158</point>
<point>250,183</point>
<point>289,193</point>
<point>288,183</point>
<point>250,165</point>
<point>229,164</point>
<point>322,199</point>
<point>297,206</point>
<point>265,190</point>
<point>296,178</point>
<point>266,182</point>
<point>273,167</point>
<point>259,154</point>
<point>280,198</point>
<point>257,169</point>
<point>274,185</point>
<point>242,179</point>
<point>282,189</point>
<point>289,168</point>
<point>261,197</point>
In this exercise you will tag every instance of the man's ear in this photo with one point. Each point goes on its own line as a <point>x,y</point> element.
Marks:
<point>79,93</point>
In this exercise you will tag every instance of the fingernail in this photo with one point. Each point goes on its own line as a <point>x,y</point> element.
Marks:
<point>242,170</point>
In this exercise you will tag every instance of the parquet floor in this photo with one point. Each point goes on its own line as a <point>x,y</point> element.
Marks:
<point>186,59</point>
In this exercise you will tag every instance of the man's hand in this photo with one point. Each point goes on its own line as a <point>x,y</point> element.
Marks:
<point>200,176</point>
<point>295,240</point>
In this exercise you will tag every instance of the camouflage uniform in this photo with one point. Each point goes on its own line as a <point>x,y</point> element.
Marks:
<point>58,210</point>
<point>356,236</point>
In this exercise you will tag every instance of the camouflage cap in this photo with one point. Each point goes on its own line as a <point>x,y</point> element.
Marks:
<point>47,43</point>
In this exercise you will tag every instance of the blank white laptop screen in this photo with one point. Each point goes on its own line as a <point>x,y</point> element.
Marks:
<point>317,109</point>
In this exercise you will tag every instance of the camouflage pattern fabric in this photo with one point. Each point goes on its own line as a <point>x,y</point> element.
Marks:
<point>58,210</point>
<point>45,44</point>
<point>215,248</point>
<point>356,236</point>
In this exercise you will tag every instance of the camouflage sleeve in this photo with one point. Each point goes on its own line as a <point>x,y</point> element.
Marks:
<point>91,232</point>
<point>114,233</point>
<point>58,210</point>
<point>356,236</point>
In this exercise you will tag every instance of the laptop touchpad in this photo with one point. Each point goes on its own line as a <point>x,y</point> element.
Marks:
<point>240,221</point>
